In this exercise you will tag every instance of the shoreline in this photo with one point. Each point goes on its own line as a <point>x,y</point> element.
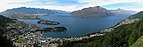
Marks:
<point>28,32</point>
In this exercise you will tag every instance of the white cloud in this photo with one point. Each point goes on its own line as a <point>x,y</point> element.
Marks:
<point>106,2</point>
<point>54,7</point>
<point>5,4</point>
<point>11,1</point>
<point>92,3</point>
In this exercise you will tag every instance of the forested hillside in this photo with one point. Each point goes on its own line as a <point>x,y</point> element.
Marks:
<point>122,36</point>
<point>3,41</point>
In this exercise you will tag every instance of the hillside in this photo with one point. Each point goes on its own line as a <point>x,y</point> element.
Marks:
<point>24,16</point>
<point>92,11</point>
<point>138,43</point>
<point>26,10</point>
<point>138,15</point>
<point>3,41</point>
<point>4,20</point>
<point>100,11</point>
<point>122,36</point>
<point>121,12</point>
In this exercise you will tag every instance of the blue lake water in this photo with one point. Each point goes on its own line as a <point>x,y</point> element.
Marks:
<point>77,26</point>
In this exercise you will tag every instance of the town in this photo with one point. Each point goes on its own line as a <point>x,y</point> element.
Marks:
<point>24,34</point>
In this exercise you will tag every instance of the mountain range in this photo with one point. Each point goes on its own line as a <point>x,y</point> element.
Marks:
<point>91,11</point>
<point>100,11</point>
<point>26,10</point>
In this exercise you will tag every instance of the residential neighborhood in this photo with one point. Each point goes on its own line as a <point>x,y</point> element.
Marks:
<point>24,34</point>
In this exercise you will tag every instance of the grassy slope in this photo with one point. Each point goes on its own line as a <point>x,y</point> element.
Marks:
<point>138,43</point>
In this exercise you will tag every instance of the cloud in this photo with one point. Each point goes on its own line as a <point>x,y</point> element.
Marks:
<point>54,7</point>
<point>127,6</point>
<point>136,5</point>
<point>71,5</point>
<point>5,4</point>
<point>130,4</point>
<point>68,5</point>
<point>51,2</point>
<point>10,1</point>
<point>106,2</point>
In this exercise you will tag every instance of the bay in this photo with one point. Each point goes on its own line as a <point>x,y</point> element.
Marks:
<point>77,26</point>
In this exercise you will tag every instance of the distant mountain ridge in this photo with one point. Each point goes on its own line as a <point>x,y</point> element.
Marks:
<point>121,11</point>
<point>137,16</point>
<point>92,11</point>
<point>33,11</point>
<point>100,11</point>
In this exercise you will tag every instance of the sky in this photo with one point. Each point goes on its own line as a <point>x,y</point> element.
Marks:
<point>72,5</point>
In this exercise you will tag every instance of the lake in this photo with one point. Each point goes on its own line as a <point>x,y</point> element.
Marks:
<point>77,26</point>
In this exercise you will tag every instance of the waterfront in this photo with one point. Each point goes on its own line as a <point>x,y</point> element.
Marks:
<point>78,25</point>
<point>22,34</point>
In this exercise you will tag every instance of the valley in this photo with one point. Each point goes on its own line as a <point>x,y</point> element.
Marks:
<point>89,27</point>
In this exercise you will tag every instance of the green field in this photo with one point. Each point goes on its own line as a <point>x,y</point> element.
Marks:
<point>21,41</point>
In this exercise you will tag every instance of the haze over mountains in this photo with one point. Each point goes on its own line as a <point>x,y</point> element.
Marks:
<point>26,10</point>
<point>91,11</point>
<point>100,11</point>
